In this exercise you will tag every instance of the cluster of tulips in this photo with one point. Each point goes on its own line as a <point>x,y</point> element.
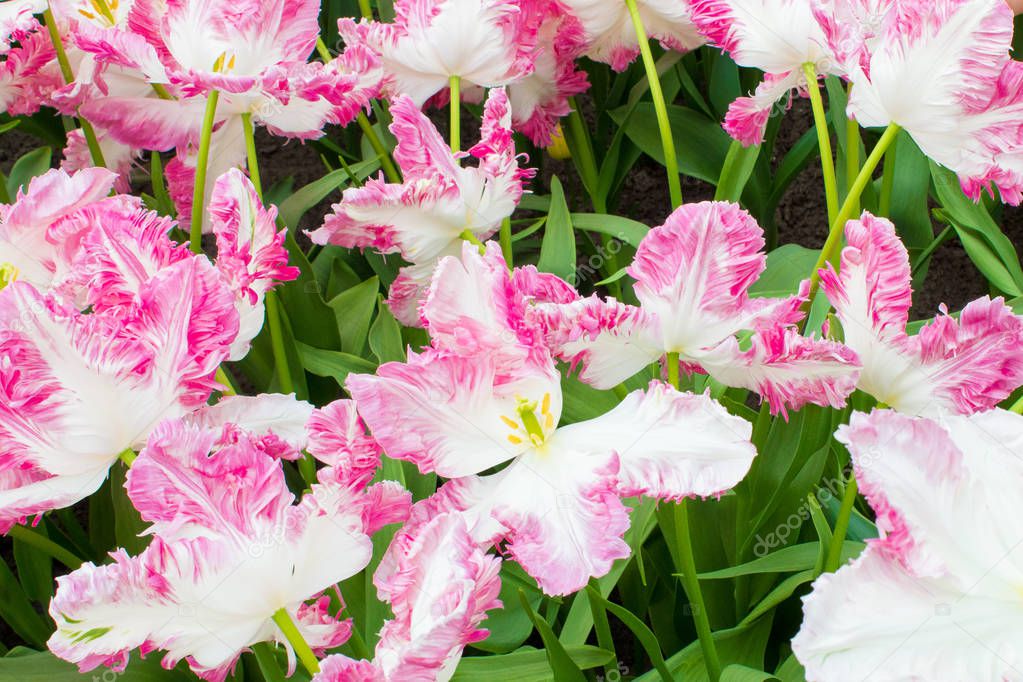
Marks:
<point>116,324</point>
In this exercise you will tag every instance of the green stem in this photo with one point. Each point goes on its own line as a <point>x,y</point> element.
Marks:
<point>600,623</point>
<point>693,592</point>
<point>660,107</point>
<point>273,318</point>
<point>852,151</point>
<point>250,153</point>
<point>321,49</point>
<point>69,76</point>
<point>294,637</point>
<point>365,10</point>
<point>127,456</point>
<point>199,192</point>
<point>506,243</point>
<point>673,377</point>
<point>834,557</point>
<point>45,545</point>
<point>884,206</point>
<point>161,91</point>
<point>455,83</point>
<point>581,148</point>
<point>225,380</point>
<point>830,250</point>
<point>820,120</point>
<point>390,170</point>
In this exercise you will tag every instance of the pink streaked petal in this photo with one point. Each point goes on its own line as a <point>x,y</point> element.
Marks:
<point>671,445</point>
<point>17,20</point>
<point>747,117</point>
<point>450,414</point>
<point>275,423</point>
<point>408,291</point>
<point>338,438</point>
<point>338,668</point>
<point>118,157</point>
<point>27,492</point>
<point>250,249</point>
<point>421,152</point>
<point>120,47</point>
<point>473,306</point>
<point>694,272</point>
<point>975,363</point>
<point>148,122</point>
<point>612,340</point>
<point>775,36</point>
<point>440,585</point>
<point>176,485</point>
<point>786,369</point>
<point>933,628</point>
<point>558,514</point>
<point>28,74</point>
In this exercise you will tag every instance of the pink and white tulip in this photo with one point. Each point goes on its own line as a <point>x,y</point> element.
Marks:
<point>82,388</point>
<point>460,410</point>
<point>693,276</point>
<point>959,366</point>
<point>422,218</point>
<point>611,34</point>
<point>495,45</point>
<point>17,20</point>
<point>947,570</point>
<point>440,585</point>
<point>776,36</point>
<point>942,71</point>
<point>223,523</point>
<point>28,74</point>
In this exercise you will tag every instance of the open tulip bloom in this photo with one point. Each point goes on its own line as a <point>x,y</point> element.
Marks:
<point>946,573</point>
<point>465,409</point>
<point>693,276</point>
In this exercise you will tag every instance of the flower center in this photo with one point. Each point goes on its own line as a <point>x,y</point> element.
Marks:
<point>103,10</point>
<point>530,425</point>
<point>224,64</point>
<point>8,273</point>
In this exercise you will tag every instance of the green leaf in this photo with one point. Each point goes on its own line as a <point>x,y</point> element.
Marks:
<point>353,310</point>
<point>736,171</point>
<point>510,626</point>
<point>909,209</point>
<point>128,525</point>
<point>791,670</point>
<point>783,591</point>
<point>985,243</point>
<point>740,673</point>
<point>35,162</point>
<point>792,164</point>
<point>298,204</point>
<point>527,665</point>
<point>561,664</point>
<point>700,144</point>
<point>17,610</point>
<point>582,401</point>
<point>385,336</point>
<point>35,569</point>
<point>645,636</point>
<point>557,253</point>
<point>624,229</point>
<point>26,665</point>
<point>787,266</point>
<point>332,364</point>
<point>786,560</point>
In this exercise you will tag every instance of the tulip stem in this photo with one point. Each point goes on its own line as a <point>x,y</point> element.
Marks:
<point>455,84</point>
<point>884,205</point>
<point>834,557</point>
<point>852,150</point>
<point>201,164</point>
<point>45,545</point>
<point>273,312</point>
<point>225,381</point>
<point>250,154</point>
<point>390,170</point>
<point>506,243</point>
<point>820,120</point>
<point>297,641</point>
<point>660,107</point>
<point>65,71</point>
<point>691,584</point>
<point>830,250</point>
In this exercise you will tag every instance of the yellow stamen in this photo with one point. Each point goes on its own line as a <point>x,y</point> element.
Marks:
<point>514,440</point>
<point>8,273</point>
<point>512,424</point>
<point>527,413</point>
<point>545,406</point>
